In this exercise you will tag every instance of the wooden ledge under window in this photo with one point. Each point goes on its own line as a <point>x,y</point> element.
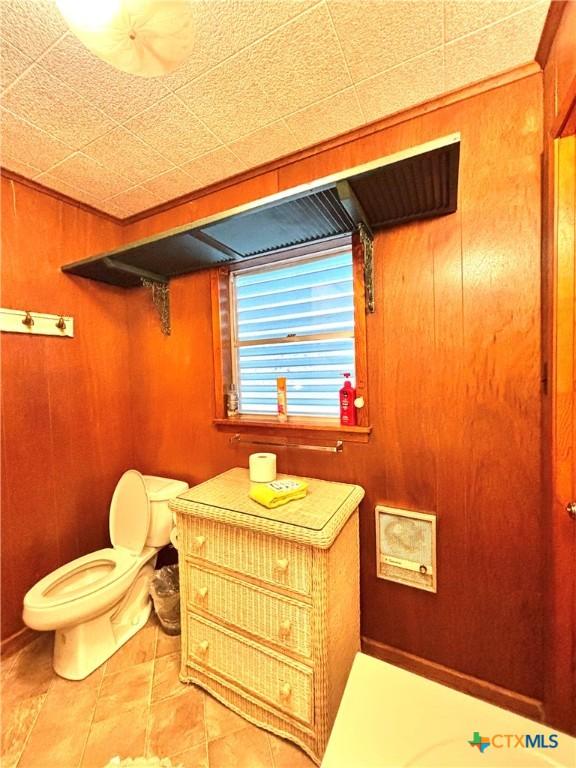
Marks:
<point>312,430</point>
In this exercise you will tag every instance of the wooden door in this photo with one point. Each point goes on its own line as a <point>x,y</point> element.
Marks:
<point>560,683</point>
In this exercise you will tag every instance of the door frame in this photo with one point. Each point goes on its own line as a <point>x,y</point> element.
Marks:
<point>559,705</point>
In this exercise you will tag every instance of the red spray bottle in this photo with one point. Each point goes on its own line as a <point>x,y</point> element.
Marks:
<point>347,407</point>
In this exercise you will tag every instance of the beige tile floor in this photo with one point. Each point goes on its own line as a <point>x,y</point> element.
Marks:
<point>133,705</point>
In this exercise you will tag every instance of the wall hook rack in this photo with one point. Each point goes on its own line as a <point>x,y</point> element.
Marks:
<point>35,323</point>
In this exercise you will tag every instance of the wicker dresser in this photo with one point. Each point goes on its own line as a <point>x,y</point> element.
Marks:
<point>270,602</point>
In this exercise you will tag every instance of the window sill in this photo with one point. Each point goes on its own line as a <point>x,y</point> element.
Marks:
<point>316,429</point>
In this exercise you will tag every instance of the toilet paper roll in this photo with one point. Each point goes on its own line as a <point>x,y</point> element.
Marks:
<point>262,467</point>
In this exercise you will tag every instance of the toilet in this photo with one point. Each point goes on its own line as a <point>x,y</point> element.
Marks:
<point>97,602</point>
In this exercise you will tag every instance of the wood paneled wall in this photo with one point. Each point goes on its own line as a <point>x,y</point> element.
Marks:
<point>66,428</point>
<point>454,387</point>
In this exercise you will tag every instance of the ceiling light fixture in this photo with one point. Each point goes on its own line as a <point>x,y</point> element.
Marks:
<point>143,37</point>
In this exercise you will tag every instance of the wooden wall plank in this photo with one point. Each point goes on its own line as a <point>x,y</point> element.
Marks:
<point>501,286</point>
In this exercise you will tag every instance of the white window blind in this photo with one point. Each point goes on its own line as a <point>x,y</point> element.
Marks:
<point>294,320</point>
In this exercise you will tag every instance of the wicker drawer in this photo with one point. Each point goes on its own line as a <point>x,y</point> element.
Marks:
<point>269,559</point>
<point>274,618</point>
<point>280,681</point>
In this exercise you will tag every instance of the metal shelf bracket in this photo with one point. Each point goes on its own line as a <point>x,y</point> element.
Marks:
<point>367,242</point>
<point>161,300</point>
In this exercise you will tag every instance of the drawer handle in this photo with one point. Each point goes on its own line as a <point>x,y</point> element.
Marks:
<point>202,592</point>
<point>285,691</point>
<point>282,564</point>
<point>203,647</point>
<point>199,541</point>
<point>285,628</point>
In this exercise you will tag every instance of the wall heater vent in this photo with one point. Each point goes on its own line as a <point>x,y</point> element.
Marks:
<point>406,547</point>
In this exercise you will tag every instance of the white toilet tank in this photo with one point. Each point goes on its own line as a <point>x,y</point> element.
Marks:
<point>160,490</point>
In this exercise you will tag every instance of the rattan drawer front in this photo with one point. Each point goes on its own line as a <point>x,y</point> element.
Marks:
<point>274,618</point>
<point>273,560</point>
<point>282,682</point>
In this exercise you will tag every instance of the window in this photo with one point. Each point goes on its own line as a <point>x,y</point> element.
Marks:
<point>293,319</point>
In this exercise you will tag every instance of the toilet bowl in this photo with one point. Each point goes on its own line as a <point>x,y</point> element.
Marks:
<point>97,602</point>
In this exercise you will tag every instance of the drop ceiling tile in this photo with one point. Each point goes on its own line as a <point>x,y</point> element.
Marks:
<point>31,25</point>
<point>28,144</point>
<point>402,87</point>
<point>249,20</point>
<point>52,106</point>
<point>300,63</point>
<point>116,93</point>
<point>132,201</point>
<point>214,166</point>
<point>12,63</point>
<point>67,189</point>
<point>83,172</point>
<point>169,185</point>
<point>230,100</point>
<point>508,44</point>
<point>377,35</point>
<point>170,128</point>
<point>266,144</point>
<point>461,18</point>
<point>113,209</point>
<point>212,46</point>
<point>18,167</point>
<point>327,118</point>
<point>127,154</point>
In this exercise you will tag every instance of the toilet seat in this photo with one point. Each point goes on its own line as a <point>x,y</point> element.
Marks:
<point>84,587</point>
<point>79,578</point>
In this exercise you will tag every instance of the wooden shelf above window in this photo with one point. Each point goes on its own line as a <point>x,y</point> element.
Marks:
<point>313,430</point>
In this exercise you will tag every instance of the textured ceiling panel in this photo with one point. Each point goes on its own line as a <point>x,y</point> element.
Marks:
<point>31,25</point>
<point>173,183</point>
<point>55,108</point>
<point>273,141</point>
<point>127,154</point>
<point>318,70</point>
<point>213,166</point>
<point>119,96</point>
<point>473,57</point>
<point>397,89</point>
<point>327,118</point>
<point>460,19</point>
<point>131,201</point>
<point>12,64</point>
<point>266,78</point>
<point>414,26</point>
<point>173,130</point>
<point>230,99</point>
<point>83,172</point>
<point>28,144</point>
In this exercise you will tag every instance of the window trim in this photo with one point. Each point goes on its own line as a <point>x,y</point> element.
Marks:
<point>223,331</point>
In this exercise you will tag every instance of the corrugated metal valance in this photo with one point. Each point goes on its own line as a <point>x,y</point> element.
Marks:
<point>419,183</point>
